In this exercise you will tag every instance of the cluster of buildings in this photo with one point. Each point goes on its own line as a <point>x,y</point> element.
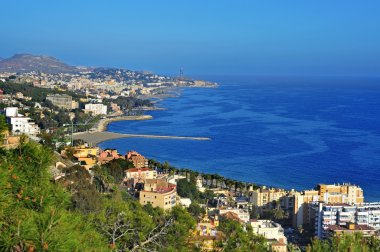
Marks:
<point>328,209</point>
<point>106,83</point>
<point>149,185</point>
<point>229,204</point>
<point>66,102</point>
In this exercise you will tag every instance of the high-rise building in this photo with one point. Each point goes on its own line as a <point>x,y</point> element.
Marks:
<point>336,193</point>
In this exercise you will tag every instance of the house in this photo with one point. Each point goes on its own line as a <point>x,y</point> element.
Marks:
<point>241,214</point>
<point>158,193</point>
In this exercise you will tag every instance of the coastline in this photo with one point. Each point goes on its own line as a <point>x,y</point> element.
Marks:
<point>103,123</point>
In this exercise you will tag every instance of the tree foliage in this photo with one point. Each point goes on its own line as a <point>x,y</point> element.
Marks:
<point>34,212</point>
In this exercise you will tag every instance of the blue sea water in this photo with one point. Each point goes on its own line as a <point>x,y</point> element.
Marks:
<point>288,132</point>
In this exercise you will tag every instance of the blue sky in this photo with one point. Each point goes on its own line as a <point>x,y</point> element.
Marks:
<point>202,36</point>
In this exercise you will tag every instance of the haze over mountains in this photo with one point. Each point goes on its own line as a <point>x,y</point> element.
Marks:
<point>22,63</point>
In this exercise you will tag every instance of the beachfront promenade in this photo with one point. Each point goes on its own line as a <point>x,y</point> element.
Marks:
<point>99,134</point>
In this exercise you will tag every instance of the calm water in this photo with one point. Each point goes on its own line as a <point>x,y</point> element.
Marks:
<point>284,132</point>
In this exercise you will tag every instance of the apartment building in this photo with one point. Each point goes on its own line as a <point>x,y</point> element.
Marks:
<point>333,194</point>
<point>61,100</point>
<point>264,198</point>
<point>21,124</point>
<point>95,109</point>
<point>337,217</point>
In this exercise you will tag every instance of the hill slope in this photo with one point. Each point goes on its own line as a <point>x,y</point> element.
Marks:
<point>29,62</point>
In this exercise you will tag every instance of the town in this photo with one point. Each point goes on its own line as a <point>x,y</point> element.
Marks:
<point>287,220</point>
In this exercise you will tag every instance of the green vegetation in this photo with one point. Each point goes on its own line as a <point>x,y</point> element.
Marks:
<point>238,239</point>
<point>34,212</point>
<point>3,123</point>
<point>355,242</point>
<point>36,93</point>
<point>38,214</point>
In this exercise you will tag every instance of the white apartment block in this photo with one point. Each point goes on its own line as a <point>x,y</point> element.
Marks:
<point>96,109</point>
<point>342,214</point>
<point>21,124</point>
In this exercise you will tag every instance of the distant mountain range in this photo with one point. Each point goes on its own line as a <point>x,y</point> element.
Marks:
<point>22,63</point>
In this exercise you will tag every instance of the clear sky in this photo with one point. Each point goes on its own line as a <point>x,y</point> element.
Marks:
<point>202,36</point>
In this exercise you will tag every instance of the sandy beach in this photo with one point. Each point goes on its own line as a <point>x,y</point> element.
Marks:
<point>103,123</point>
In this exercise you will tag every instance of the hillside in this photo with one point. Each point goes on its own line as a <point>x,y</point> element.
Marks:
<point>27,63</point>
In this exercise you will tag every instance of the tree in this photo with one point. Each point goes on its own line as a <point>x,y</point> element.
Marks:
<point>34,213</point>
<point>195,209</point>
<point>3,124</point>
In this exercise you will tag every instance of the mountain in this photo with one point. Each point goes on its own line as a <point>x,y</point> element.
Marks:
<point>28,63</point>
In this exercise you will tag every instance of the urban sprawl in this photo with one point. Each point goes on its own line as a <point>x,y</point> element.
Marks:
<point>287,219</point>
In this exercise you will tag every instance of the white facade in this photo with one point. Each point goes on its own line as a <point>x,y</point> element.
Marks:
<point>11,111</point>
<point>362,214</point>
<point>96,109</point>
<point>23,125</point>
<point>268,229</point>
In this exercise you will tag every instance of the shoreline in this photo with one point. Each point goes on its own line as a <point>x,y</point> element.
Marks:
<point>103,123</point>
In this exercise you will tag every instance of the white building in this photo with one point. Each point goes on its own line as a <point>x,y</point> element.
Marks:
<point>269,229</point>
<point>96,109</point>
<point>11,111</point>
<point>341,214</point>
<point>23,125</point>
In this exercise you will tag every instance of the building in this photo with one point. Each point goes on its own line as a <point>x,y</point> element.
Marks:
<point>350,228</point>
<point>61,100</point>
<point>329,216</point>
<point>205,236</point>
<point>139,175</point>
<point>84,151</point>
<point>138,160</point>
<point>11,112</point>
<point>345,193</point>
<point>85,156</point>
<point>269,229</point>
<point>95,109</point>
<point>241,214</point>
<point>158,193</point>
<point>107,155</point>
<point>265,198</point>
<point>23,125</point>
<point>8,141</point>
<point>335,194</point>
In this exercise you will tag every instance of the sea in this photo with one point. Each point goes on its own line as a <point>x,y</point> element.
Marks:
<point>291,132</point>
